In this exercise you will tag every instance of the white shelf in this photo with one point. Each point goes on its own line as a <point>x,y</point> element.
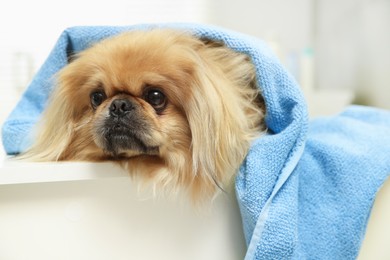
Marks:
<point>16,172</point>
<point>108,217</point>
<point>327,102</point>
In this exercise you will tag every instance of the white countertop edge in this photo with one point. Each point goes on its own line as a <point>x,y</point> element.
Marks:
<point>14,172</point>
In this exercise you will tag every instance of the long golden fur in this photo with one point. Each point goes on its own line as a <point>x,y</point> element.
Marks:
<point>190,106</point>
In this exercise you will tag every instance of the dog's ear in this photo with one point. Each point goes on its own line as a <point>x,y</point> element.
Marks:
<point>223,113</point>
<point>249,77</point>
<point>53,132</point>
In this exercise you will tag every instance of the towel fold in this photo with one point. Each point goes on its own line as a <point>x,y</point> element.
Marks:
<point>305,190</point>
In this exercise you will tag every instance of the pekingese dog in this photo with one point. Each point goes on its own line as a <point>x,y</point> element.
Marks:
<point>166,105</point>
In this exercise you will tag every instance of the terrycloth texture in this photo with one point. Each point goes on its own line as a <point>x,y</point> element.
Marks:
<point>305,191</point>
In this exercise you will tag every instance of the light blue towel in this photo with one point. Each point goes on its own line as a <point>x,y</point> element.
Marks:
<point>305,190</point>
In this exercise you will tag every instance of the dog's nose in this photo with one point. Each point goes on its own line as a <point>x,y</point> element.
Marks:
<point>120,107</point>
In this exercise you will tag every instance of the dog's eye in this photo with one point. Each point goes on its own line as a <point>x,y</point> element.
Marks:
<point>156,99</point>
<point>97,98</point>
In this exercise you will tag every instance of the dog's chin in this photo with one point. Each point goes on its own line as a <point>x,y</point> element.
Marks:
<point>121,142</point>
<point>125,145</point>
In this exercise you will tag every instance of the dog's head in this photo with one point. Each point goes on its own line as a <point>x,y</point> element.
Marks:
<point>166,103</point>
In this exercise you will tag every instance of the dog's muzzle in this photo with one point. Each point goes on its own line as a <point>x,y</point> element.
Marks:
<point>125,129</point>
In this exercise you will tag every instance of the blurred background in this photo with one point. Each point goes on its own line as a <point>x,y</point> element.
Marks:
<point>338,50</point>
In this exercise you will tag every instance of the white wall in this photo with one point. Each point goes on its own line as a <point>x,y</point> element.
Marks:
<point>32,27</point>
<point>353,48</point>
<point>288,22</point>
<point>375,70</point>
<point>350,37</point>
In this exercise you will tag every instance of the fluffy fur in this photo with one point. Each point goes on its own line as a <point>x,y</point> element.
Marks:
<point>170,107</point>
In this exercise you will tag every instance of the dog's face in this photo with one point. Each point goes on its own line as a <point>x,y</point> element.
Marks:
<point>131,98</point>
<point>165,104</point>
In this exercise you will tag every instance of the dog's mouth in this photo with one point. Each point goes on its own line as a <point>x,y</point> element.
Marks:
<point>121,140</point>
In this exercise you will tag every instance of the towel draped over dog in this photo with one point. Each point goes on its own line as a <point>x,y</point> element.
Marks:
<point>305,190</point>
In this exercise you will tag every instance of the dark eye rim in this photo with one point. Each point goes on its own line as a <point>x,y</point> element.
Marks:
<point>97,97</point>
<point>159,108</point>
